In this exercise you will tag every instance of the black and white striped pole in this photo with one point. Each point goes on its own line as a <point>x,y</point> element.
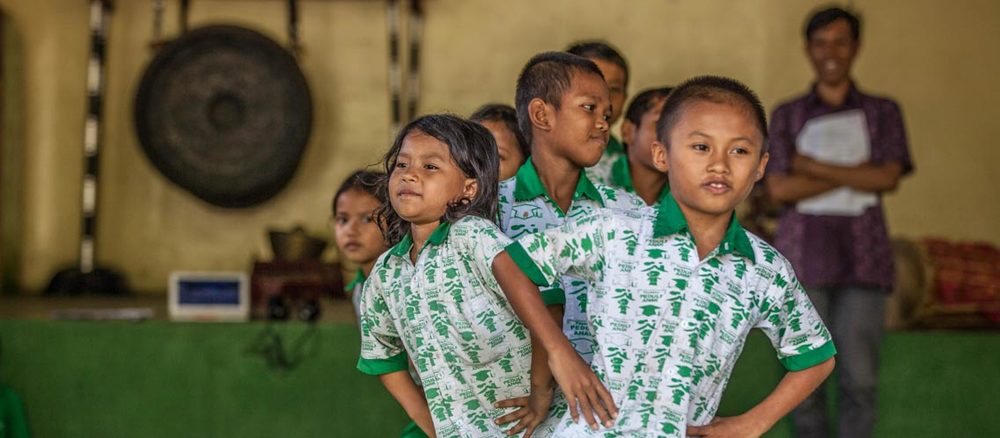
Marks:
<point>92,132</point>
<point>86,278</point>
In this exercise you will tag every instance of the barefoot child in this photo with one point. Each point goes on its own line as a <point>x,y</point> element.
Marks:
<point>678,286</point>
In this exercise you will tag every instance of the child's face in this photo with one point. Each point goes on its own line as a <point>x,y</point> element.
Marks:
<point>354,227</point>
<point>640,138</point>
<point>615,77</point>
<point>713,160</point>
<point>579,128</point>
<point>511,157</point>
<point>426,179</point>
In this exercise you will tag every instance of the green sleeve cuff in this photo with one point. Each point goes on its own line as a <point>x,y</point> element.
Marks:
<point>553,296</point>
<point>810,358</point>
<point>528,266</point>
<point>377,367</point>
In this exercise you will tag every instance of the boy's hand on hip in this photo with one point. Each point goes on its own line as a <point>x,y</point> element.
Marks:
<point>534,410</point>
<point>584,391</point>
<point>739,426</point>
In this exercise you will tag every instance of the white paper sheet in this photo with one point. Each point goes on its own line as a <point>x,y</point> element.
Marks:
<point>839,139</point>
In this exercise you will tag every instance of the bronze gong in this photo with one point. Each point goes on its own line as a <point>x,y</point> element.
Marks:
<point>225,113</point>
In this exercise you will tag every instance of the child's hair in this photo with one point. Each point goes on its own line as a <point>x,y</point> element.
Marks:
<point>712,89</point>
<point>829,15</point>
<point>600,50</point>
<point>643,102</point>
<point>474,151</point>
<point>547,76</point>
<point>506,114</point>
<point>364,180</point>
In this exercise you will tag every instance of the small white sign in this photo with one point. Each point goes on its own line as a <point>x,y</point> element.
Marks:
<point>209,296</point>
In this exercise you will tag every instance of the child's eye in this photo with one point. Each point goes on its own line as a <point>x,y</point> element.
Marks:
<point>340,220</point>
<point>430,166</point>
<point>400,165</point>
<point>588,106</point>
<point>700,147</point>
<point>740,150</point>
<point>368,219</point>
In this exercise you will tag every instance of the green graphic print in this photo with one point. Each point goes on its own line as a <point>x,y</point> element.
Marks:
<point>449,314</point>
<point>669,327</point>
<point>526,208</point>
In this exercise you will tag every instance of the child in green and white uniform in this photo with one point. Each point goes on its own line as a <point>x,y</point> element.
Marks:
<point>614,69</point>
<point>434,296</point>
<point>360,242</point>
<point>678,286</point>
<point>563,106</point>
<point>634,172</point>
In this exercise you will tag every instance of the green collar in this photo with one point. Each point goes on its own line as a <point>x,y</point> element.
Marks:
<point>614,146</point>
<point>528,186</point>
<point>670,220</point>
<point>402,249</point>
<point>359,279</point>
<point>621,176</point>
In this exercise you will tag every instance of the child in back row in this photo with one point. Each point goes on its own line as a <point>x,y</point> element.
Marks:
<point>635,172</point>
<point>677,287</point>
<point>360,241</point>
<point>615,71</point>
<point>501,120</point>
<point>433,294</point>
<point>563,109</point>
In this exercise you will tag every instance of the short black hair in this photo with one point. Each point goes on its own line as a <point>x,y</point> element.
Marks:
<point>643,102</point>
<point>828,15</point>
<point>712,89</point>
<point>506,114</point>
<point>364,180</point>
<point>547,76</point>
<point>472,147</point>
<point>600,50</point>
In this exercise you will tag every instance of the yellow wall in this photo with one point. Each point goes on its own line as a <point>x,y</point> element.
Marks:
<point>938,59</point>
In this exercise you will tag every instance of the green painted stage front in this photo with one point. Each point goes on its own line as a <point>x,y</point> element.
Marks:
<point>159,379</point>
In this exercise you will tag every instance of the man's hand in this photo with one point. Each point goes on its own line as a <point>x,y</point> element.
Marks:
<point>584,391</point>
<point>739,427</point>
<point>534,410</point>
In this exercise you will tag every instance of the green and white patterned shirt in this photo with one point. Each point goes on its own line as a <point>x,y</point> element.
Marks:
<point>525,207</point>
<point>669,327</point>
<point>449,313</point>
<point>601,172</point>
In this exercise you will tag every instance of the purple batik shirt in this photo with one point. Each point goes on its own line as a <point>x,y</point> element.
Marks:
<point>838,251</point>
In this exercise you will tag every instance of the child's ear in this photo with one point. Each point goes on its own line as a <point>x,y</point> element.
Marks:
<point>628,131</point>
<point>661,156</point>
<point>761,166</point>
<point>470,188</point>
<point>538,112</point>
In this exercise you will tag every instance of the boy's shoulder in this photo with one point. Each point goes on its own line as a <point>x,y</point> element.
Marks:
<point>768,257</point>
<point>616,198</point>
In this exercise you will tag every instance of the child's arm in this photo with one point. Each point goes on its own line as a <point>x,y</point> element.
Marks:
<point>410,397</point>
<point>793,388</point>
<point>576,379</point>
